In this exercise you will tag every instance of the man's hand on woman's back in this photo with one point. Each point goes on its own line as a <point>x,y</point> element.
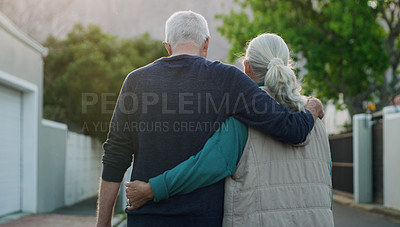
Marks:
<point>314,105</point>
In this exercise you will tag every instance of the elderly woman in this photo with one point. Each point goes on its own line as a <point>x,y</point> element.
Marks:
<point>267,183</point>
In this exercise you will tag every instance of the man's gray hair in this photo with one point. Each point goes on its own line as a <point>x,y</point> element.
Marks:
<point>185,26</point>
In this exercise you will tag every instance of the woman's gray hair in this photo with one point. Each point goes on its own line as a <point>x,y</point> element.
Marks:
<point>184,26</point>
<point>268,57</point>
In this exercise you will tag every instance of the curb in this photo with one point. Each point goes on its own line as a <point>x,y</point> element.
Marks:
<point>376,209</point>
<point>12,217</point>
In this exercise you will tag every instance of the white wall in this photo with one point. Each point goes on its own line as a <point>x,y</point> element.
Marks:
<point>69,167</point>
<point>51,166</point>
<point>83,167</point>
<point>391,157</point>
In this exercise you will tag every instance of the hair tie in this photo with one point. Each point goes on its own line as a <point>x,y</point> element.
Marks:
<point>275,62</point>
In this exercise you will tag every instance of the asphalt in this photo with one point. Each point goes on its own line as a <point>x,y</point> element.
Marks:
<point>345,216</point>
<point>346,213</point>
<point>81,214</point>
<point>52,220</point>
<point>344,200</point>
<point>84,208</point>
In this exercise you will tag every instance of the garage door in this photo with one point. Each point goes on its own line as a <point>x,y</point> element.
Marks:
<point>10,150</point>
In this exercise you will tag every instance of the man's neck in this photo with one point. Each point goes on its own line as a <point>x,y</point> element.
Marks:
<point>188,48</point>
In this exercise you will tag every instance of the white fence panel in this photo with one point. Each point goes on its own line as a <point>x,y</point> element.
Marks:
<point>391,156</point>
<point>83,168</point>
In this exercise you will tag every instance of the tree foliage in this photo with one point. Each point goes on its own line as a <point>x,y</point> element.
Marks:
<point>84,72</point>
<point>388,13</point>
<point>343,43</point>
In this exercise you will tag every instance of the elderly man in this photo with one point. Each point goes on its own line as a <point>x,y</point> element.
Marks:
<point>167,110</point>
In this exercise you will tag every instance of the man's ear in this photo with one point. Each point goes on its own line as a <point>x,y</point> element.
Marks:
<point>248,72</point>
<point>247,68</point>
<point>204,48</point>
<point>168,47</point>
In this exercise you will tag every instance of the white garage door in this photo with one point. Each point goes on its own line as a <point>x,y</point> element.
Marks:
<point>10,150</point>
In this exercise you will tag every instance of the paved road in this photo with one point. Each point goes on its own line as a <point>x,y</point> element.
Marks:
<point>83,214</point>
<point>52,220</point>
<point>84,208</point>
<point>349,217</point>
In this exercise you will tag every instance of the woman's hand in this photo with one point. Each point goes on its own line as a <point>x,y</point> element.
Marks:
<point>138,194</point>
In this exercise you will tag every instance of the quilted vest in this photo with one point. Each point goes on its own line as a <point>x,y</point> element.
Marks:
<point>281,185</point>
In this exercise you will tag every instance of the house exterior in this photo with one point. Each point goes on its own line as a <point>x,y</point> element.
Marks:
<point>43,166</point>
<point>21,88</point>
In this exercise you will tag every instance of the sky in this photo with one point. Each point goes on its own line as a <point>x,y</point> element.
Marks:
<point>125,18</point>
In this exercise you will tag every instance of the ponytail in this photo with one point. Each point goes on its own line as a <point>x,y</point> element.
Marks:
<point>280,82</point>
<point>268,56</point>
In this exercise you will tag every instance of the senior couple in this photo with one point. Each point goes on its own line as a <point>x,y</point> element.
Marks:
<point>268,164</point>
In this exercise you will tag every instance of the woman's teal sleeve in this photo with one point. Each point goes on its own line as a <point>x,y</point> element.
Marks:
<point>214,162</point>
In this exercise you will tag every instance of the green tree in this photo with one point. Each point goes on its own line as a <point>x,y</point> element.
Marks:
<point>342,42</point>
<point>84,72</point>
<point>388,12</point>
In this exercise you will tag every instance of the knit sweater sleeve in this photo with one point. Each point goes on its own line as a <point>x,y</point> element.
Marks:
<point>118,148</point>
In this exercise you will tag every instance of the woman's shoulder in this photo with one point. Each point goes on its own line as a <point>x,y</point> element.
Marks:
<point>319,127</point>
<point>317,133</point>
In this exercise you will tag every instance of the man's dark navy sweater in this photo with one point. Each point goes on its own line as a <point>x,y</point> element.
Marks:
<point>165,113</point>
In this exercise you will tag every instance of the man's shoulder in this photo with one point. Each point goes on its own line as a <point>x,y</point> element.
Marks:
<point>225,72</point>
<point>136,74</point>
<point>223,66</point>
